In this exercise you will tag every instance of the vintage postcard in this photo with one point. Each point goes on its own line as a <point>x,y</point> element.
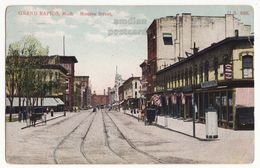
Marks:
<point>110,84</point>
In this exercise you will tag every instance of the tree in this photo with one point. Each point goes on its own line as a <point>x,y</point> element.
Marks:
<point>20,74</point>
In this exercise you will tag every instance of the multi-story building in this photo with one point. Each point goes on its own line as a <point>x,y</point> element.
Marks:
<point>45,84</point>
<point>144,84</point>
<point>173,38</point>
<point>81,82</point>
<point>99,100</point>
<point>130,92</point>
<point>114,92</point>
<point>68,62</point>
<point>221,76</point>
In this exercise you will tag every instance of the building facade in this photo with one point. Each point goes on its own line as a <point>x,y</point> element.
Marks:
<point>68,62</point>
<point>173,38</point>
<point>220,76</point>
<point>99,100</point>
<point>81,86</point>
<point>130,92</point>
<point>45,84</point>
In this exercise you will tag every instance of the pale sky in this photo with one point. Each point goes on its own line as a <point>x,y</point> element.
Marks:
<point>92,38</point>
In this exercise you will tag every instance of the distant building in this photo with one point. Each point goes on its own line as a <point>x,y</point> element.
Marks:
<point>129,92</point>
<point>99,100</point>
<point>114,92</point>
<point>68,62</point>
<point>81,93</point>
<point>144,83</point>
<point>173,38</point>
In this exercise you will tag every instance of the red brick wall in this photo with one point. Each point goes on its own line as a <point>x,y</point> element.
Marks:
<point>99,100</point>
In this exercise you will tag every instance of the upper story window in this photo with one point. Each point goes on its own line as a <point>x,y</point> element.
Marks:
<point>201,73</point>
<point>216,68</point>
<point>190,76</point>
<point>186,77</point>
<point>135,85</point>
<point>247,66</point>
<point>167,38</point>
<point>195,75</point>
<point>206,72</point>
<point>182,78</point>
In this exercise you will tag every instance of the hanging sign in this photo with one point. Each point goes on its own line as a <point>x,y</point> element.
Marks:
<point>228,71</point>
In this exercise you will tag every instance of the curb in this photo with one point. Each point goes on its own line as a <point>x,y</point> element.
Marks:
<point>43,121</point>
<point>172,130</point>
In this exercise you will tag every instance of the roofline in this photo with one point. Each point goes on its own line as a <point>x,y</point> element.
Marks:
<point>213,46</point>
<point>129,79</point>
<point>81,76</point>
<point>64,56</point>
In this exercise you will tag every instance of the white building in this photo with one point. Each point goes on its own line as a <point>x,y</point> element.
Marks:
<point>132,87</point>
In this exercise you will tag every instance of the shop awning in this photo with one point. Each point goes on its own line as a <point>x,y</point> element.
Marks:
<point>46,102</point>
<point>59,101</point>
<point>49,102</point>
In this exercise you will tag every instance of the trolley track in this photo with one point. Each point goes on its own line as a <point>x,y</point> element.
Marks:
<point>83,140</point>
<point>69,134</point>
<point>131,144</point>
<point>106,138</point>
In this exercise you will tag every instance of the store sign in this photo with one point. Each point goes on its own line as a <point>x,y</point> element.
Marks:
<point>209,84</point>
<point>228,71</point>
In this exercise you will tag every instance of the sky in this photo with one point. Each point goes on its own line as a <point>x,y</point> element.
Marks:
<point>102,37</point>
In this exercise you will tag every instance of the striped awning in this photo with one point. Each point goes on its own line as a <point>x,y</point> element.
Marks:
<point>59,101</point>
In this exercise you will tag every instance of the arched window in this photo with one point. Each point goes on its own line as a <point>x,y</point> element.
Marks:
<point>247,66</point>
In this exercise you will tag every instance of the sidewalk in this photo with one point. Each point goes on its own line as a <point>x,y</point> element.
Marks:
<point>186,128</point>
<point>48,118</point>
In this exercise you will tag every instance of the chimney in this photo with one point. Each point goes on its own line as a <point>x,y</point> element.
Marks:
<point>104,91</point>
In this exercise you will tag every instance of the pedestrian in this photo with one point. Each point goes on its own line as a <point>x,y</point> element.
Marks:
<point>45,117</point>
<point>24,116</point>
<point>52,112</point>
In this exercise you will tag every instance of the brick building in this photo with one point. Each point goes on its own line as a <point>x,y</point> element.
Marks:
<point>81,89</point>
<point>173,38</point>
<point>99,100</point>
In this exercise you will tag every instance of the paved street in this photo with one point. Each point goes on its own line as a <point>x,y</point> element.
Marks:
<point>113,137</point>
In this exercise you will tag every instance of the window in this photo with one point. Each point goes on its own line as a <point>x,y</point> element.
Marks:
<point>135,85</point>
<point>186,77</point>
<point>247,64</point>
<point>190,76</point>
<point>135,94</point>
<point>216,68</point>
<point>167,38</point>
<point>206,72</point>
<point>175,80</point>
<point>201,73</point>
<point>182,78</point>
<point>178,79</point>
<point>195,75</point>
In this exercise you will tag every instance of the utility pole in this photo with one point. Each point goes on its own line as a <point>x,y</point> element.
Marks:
<point>63,41</point>
<point>193,114</point>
